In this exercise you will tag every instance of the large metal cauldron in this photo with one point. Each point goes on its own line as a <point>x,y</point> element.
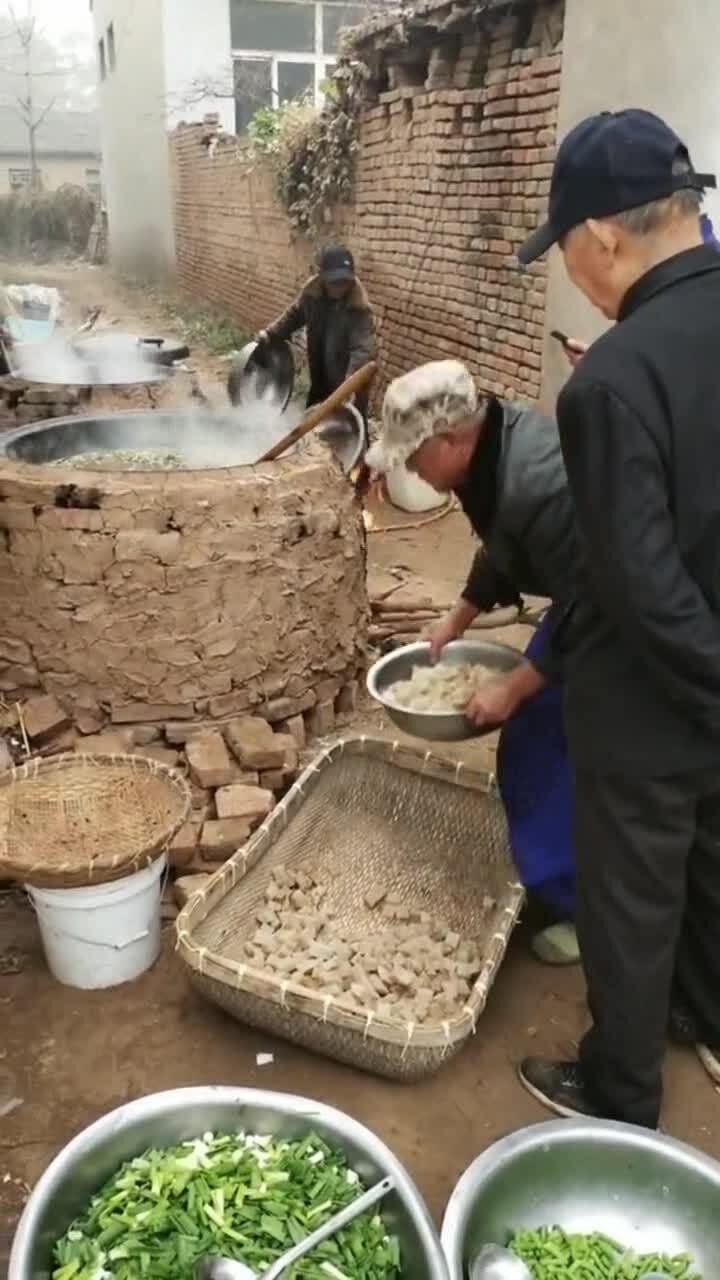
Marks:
<point>202,441</point>
<point>647,1191</point>
<point>167,1118</point>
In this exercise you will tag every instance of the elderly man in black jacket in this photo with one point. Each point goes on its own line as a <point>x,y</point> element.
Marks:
<point>640,647</point>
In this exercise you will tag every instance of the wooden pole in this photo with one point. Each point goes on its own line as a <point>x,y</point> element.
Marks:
<point>352,385</point>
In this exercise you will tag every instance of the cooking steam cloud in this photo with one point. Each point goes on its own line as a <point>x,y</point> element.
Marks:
<point>202,438</point>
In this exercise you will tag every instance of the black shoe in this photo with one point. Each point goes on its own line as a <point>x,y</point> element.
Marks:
<point>559,1086</point>
<point>682,1026</point>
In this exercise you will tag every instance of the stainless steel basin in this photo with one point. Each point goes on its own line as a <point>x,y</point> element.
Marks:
<point>645,1190</point>
<point>437,726</point>
<point>163,1119</point>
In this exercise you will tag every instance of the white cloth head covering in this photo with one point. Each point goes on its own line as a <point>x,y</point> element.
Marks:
<point>425,402</point>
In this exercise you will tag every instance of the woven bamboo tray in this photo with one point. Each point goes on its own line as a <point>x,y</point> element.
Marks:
<point>77,820</point>
<point>365,811</point>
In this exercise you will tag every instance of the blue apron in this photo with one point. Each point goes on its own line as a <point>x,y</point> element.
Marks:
<point>708,232</point>
<point>535,781</point>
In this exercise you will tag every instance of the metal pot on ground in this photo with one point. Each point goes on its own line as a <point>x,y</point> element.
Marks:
<point>645,1190</point>
<point>164,1119</point>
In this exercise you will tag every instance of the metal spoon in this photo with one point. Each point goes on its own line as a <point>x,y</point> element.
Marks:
<point>495,1263</point>
<point>227,1269</point>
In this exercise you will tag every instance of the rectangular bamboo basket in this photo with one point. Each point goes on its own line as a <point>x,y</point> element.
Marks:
<point>366,812</point>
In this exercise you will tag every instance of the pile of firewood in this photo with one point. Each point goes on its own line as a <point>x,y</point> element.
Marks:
<point>413,618</point>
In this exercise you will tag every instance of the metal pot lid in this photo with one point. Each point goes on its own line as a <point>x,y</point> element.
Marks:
<point>263,368</point>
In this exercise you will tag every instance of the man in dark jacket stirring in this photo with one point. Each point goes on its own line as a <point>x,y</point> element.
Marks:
<point>335,311</point>
<point>640,647</point>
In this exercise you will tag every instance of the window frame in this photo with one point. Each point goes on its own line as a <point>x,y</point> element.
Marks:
<point>93,183</point>
<point>24,182</point>
<point>318,64</point>
<point>301,4</point>
<point>322,62</point>
<point>257,58</point>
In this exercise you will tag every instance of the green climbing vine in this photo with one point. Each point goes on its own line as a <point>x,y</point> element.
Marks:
<point>312,152</point>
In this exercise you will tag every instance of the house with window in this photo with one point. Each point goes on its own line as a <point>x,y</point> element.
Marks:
<point>172,60</point>
<point>67,150</point>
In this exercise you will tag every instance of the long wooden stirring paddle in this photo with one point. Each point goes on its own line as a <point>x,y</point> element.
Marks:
<point>356,382</point>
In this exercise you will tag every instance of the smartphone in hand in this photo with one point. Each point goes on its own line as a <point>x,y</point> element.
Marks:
<point>562,338</point>
<point>573,349</point>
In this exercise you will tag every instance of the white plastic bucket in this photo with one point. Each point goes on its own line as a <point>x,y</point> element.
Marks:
<point>410,493</point>
<point>104,934</point>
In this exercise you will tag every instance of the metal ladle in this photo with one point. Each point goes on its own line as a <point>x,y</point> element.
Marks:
<point>228,1269</point>
<point>495,1263</point>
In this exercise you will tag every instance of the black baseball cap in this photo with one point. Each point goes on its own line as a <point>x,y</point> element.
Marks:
<point>609,163</point>
<point>337,265</point>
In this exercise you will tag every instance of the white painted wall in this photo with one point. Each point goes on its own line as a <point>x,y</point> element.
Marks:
<point>133,122</point>
<point>198,50</point>
<point>661,55</point>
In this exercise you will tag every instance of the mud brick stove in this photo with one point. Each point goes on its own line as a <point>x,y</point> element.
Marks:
<point>181,598</point>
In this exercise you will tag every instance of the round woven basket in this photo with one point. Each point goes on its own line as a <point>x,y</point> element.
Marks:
<point>79,820</point>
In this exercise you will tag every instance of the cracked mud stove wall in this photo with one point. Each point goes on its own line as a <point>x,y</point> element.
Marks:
<point>185,595</point>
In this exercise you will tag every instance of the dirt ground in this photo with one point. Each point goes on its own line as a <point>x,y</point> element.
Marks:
<point>70,1056</point>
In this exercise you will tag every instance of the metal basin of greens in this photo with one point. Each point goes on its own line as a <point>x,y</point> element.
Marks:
<point>165,1119</point>
<point>648,1192</point>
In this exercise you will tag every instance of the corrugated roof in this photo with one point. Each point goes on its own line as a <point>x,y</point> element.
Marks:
<point>61,133</point>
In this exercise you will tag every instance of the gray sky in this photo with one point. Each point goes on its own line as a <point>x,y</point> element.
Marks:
<point>61,18</point>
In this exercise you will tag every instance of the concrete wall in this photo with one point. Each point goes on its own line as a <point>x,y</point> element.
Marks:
<point>198,52</point>
<point>656,54</point>
<point>133,112</point>
<point>55,170</point>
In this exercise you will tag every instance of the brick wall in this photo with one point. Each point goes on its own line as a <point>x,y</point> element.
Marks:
<point>452,173</point>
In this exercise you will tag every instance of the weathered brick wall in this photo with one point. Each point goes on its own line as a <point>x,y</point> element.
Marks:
<point>232,235</point>
<point>452,173</point>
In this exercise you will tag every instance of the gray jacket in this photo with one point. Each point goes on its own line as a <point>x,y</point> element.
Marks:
<point>517,499</point>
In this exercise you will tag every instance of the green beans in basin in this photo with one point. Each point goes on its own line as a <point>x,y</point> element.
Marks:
<point>553,1254</point>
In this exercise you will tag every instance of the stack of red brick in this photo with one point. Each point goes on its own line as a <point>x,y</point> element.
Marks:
<point>237,770</point>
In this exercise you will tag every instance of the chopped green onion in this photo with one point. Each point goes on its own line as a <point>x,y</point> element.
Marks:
<point>248,1197</point>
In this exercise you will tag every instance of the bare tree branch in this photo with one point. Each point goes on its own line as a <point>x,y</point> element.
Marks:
<point>25,32</point>
<point>43,115</point>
